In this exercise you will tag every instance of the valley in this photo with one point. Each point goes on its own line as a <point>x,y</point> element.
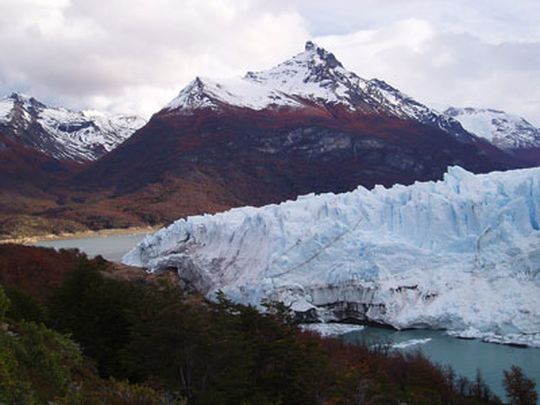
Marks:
<point>200,252</point>
<point>307,125</point>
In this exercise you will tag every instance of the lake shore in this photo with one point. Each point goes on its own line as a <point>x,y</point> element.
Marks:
<point>30,240</point>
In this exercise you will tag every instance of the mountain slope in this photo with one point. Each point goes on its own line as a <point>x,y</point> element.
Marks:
<point>314,76</point>
<point>306,125</point>
<point>506,131</point>
<point>459,253</point>
<point>61,133</point>
<point>41,148</point>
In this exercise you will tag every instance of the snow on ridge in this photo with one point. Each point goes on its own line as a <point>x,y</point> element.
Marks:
<point>504,130</point>
<point>84,135</point>
<point>313,76</point>
<point>66,134</point>
<point>458,253</point>
<point>6,106</point>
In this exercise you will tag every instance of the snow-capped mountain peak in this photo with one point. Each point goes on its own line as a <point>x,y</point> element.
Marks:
<point>312,77</point>
<point>314,65</point>
<point>504,130</point>
<point>61,133</point>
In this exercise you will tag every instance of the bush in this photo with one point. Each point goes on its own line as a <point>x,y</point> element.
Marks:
<point>95,311</point>
<point>24,306</point>
<point>37,364</point>
<point>519,388</point>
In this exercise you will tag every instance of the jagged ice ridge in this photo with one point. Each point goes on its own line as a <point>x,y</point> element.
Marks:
<point>459,253</point>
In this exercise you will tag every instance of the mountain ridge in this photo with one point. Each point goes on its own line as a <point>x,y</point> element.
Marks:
<point>211,148</point>
<point>312,76</point>
<point>304,126</point>
<point>79,136</point>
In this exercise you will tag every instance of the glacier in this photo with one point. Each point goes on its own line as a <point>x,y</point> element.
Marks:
<point>462,253</point>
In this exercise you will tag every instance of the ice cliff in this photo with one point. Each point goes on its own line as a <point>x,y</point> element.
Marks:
<point>459,253</point>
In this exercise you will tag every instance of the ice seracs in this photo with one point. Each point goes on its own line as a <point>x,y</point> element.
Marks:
<point>64,134</point>
<point>314,77</point>
<point>459,253</point>
<point>504,130</point>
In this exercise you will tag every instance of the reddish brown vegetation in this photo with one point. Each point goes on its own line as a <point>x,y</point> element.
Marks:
<point>35,270</point>
<point>179,165</point>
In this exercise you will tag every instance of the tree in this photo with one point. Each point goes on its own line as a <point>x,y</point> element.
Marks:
<point>95,310</point>
<point>519,388</point>
<point>4,304</point>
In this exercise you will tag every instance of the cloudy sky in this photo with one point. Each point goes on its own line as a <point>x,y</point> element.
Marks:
<point>136,55</point>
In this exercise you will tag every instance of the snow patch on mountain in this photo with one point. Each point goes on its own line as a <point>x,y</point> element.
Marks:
<point>6,107</point>
<point>314,76</point>
<point>504,130</point>
<point>459,253</point>
<point>65,134</point>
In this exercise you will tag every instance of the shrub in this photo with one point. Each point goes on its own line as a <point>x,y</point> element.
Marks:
<point>519,388</point>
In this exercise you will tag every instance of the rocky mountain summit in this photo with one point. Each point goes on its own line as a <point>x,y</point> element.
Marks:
<point>79,136</point>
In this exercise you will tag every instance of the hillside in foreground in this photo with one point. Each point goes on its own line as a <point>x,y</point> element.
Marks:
<point>178,347</point>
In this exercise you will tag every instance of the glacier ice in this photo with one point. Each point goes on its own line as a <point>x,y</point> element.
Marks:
<point>459,253</point>
<point>330,329</point>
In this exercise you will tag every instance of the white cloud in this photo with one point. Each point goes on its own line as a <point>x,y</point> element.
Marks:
<point>134,55</point>
<point>443,68</point>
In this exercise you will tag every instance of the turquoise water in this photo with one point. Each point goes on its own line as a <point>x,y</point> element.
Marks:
<point>110,247</point>
<point>465,356</point>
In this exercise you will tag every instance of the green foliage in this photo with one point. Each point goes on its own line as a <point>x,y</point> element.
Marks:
<point>519,388</point>
<point>36,364</point>
<point>24,306</point>
<point>115,392</point>
<point>94,310</point>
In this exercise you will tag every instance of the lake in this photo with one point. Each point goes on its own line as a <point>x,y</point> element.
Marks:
<point>465,356</point>
<point>111,247</point>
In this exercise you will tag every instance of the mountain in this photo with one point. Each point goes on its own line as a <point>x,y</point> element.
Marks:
<point>78,136</point>
<point>306,125</point>
<point>461,254</point>
<point>506,131</point>
<point>41,148</point>
<point>312,77</point>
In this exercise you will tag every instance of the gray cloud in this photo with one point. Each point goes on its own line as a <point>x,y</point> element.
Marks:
<point>444,68</point>
<point>134,55</point>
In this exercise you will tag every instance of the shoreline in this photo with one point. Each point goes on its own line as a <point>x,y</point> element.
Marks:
<point>30,240</point>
